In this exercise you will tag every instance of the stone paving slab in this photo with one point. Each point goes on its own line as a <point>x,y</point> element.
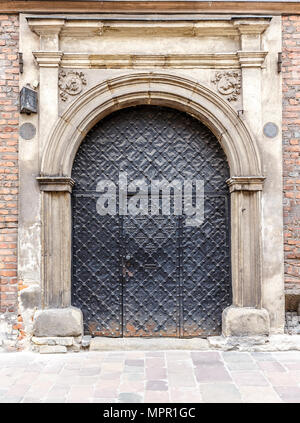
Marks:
<point>150,376</point>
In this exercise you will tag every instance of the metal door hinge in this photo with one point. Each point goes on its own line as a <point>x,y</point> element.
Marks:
<point>279,62</point>
<point>21,63</point>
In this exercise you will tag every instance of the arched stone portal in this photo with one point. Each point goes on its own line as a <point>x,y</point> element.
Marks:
<point>246,315</point>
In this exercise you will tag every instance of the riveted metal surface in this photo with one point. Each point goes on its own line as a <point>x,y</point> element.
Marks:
<point>150,275</point>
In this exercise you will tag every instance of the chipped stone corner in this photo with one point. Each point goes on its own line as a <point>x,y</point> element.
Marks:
<point>16,327</point>
<point>270,343</point>
<point>29,299</point>
<point>8,332</point>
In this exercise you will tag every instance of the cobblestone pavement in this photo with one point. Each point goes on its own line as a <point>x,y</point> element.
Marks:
<point>162,376</point>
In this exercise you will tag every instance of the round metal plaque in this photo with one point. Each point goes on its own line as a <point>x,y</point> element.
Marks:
<point>27,131</point>
<point>270,130</point>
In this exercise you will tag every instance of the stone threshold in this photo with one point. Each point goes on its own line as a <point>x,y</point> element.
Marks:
<point>282,342</point>
<point>147,344</point>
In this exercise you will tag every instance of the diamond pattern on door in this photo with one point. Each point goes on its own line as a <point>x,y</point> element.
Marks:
<point>150,275</point>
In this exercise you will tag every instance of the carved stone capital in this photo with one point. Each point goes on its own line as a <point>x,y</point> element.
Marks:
<point>49,32</point>
<point>46,27</point>
<point>245,183</point>
<point>55,183</point>
<point>252,27</point>
<point>251,59</point>
<point>48,59</point>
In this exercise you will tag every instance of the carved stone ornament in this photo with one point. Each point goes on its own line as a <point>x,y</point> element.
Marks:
<point>70,83</point>
<point>228,83</point>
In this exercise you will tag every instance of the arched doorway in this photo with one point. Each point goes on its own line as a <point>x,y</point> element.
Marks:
<point>246,315</point>
<point>150,274</point>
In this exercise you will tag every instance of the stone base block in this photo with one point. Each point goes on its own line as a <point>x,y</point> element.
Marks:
<point>55,322</point>
<point>67,341</point>
<point>245,321</point>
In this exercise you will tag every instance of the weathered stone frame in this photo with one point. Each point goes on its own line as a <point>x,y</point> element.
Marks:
<point>246,315</point>
<point>53,43</point>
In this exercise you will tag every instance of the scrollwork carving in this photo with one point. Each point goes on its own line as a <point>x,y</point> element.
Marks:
<point>70,83</point>
<point>228,84</point>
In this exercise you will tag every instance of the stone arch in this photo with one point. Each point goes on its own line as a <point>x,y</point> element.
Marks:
<point>246,316</point>
<point>157,89</point>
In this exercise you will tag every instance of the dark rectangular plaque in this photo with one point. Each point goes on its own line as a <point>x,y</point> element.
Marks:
<point>28,100</point>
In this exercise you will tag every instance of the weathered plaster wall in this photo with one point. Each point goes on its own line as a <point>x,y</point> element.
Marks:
<point>100,59</point>
<point>271,148</point>
<point>291,156</point>
<point>104,50</point>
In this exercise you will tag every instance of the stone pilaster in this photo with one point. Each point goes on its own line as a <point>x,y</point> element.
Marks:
<point>48,58</point>
<point>251,59</point>
<point>246,316</point>
<point>246,240</point>
<point>56,234</point>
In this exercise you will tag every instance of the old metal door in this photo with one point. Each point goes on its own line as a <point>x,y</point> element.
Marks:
<point>150,275</point>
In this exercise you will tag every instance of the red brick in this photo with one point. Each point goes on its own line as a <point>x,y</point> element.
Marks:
<point>8,163</point>
<point>291,146</point>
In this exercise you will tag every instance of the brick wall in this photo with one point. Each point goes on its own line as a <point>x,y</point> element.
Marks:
<point>291,150</point>
<point>9,94</point>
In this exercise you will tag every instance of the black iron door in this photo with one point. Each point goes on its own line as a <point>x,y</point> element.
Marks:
<point>150,274</point>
